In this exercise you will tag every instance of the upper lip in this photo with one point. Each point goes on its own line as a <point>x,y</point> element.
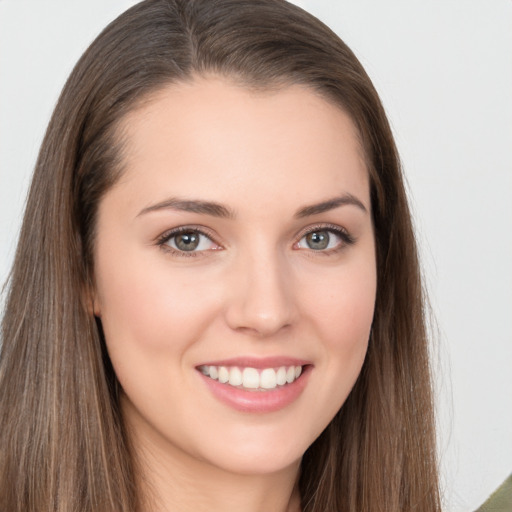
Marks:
<point>258,362</point>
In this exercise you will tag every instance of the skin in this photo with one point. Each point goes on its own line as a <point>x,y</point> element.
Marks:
<point>254,288</point>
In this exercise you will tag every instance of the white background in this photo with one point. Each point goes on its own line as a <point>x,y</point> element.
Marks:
<point>444,72</point>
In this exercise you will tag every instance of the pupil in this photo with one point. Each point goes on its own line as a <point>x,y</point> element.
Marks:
<point>187,241</point>
<point>318,240</point>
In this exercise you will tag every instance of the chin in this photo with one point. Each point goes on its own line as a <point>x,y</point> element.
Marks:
<point>257,453</point>
<point>264,464</point>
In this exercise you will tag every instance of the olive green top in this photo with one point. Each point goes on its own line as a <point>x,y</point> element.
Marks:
<point>500,500</point>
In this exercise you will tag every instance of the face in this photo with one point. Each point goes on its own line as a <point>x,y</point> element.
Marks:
<point>235,272</point>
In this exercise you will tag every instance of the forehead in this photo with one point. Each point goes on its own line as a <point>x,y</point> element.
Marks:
<point>211,136</point>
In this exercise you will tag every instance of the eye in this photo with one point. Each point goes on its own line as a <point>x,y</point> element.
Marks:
<point>187,241</point>
<point>325,239</point>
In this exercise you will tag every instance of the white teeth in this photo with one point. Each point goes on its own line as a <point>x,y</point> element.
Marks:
<point>251,378</point>
<point>268,378</point>
<point>223,374</point>
<point>281,376</point>
<point>235,376</point>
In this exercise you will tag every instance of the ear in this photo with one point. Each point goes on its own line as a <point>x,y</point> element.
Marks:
<point>96,310</point>
<point>92,300</point>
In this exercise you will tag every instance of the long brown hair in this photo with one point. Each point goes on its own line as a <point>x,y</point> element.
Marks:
<point>63,446</point>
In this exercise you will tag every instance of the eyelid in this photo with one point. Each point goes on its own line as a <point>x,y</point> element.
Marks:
<point>340,231</point>
<point>162,239</point>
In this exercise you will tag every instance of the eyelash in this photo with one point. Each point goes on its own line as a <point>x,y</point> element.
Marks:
<point>346,238</point>
<point>168,235</point>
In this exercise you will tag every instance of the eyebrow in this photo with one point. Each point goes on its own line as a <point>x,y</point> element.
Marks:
<point>330,204</point>
<point>221,211</point>
<point>191,205</point>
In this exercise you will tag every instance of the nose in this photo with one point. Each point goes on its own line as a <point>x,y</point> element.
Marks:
<point>261,299</point>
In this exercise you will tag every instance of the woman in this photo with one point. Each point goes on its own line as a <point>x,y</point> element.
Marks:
<point>216,300</point>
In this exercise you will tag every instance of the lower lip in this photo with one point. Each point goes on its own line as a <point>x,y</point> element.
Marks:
<point>258,401</point>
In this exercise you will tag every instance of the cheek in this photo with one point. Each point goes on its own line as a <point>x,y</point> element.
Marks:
<point>338,311</point>
<point>342,316</point>
<point>344,312</point>
<point>147,307</point>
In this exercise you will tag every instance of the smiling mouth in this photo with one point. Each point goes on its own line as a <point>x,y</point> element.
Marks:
<point>252,379</point>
